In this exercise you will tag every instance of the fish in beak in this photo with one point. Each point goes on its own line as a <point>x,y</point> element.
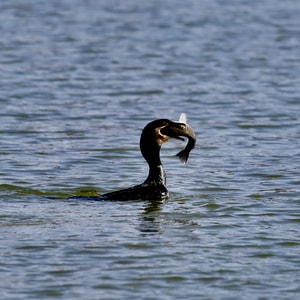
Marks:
<point>180,130</point>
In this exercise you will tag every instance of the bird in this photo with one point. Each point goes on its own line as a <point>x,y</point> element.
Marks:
<point>153,136</point>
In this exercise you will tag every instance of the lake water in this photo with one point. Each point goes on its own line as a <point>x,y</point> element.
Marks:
<point>80,79</point>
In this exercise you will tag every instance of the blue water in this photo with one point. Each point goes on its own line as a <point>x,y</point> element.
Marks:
<point>78,82</point>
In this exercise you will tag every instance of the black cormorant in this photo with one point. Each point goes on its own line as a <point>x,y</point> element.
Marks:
<point>153,136</point>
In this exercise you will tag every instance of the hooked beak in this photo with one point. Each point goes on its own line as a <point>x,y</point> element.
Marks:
<point>178,130</point>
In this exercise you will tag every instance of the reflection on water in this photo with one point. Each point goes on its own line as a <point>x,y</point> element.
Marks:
<point>150,217</point>
<point>79,81</point>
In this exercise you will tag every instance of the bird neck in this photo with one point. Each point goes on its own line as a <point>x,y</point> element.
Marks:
<point>150,148</point>
<point>156,175</point>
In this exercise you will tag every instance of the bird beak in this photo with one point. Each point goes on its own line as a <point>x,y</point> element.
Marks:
<point>178,130</point>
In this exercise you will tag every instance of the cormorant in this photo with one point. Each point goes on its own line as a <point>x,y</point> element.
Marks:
<point>153,136</point>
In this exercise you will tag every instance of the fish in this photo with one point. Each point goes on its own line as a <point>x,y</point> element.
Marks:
<point>188,132</point>
<point>183,155</point>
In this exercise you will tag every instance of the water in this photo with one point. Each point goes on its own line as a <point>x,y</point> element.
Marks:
<point>80,79</point>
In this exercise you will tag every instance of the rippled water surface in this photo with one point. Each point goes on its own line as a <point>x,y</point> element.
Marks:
<point>80,79</point>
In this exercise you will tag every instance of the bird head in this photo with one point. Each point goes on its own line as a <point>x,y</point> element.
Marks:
<point>160,131</point>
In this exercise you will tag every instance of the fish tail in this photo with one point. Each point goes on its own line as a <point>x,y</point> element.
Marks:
<point>183,156</point>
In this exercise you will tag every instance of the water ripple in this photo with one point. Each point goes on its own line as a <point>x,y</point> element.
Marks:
<point>79,81</point>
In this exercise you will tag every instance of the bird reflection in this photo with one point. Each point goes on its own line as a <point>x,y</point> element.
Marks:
<point>149,218</point>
